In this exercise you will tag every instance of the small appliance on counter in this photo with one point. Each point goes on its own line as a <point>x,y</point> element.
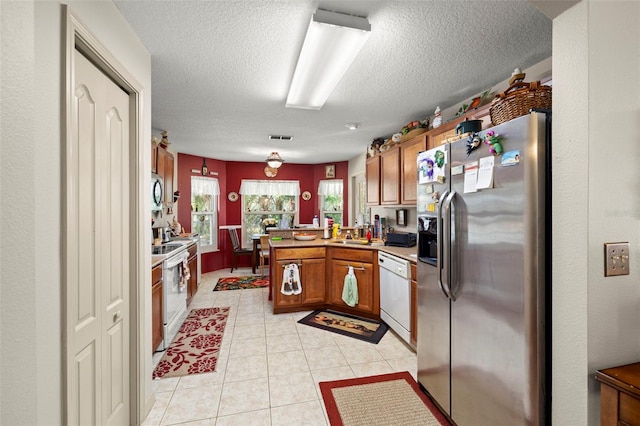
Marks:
<point>401,239</point>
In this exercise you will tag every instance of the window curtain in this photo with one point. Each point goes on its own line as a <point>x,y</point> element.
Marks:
<point>330,187</point>
<point>204,186</point>
<point>270,187</point>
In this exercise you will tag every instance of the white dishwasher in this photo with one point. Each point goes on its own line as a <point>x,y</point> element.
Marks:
<point>395,293</point>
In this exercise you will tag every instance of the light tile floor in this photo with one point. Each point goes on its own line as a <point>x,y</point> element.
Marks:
<point>269,366</point>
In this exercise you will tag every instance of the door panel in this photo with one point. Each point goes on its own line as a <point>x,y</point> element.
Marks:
<point>85,386</point>
<point>98,249</point>
<point>313,279</point>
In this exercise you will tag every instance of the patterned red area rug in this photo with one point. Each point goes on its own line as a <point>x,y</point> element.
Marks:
<point>387,399</point>
<point>239,283</point>
<point>196,346</point>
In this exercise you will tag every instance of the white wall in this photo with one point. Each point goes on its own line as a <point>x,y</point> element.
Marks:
<point>570,225</point>
<point>596,129</point>
<point>30,196</point>
<point>614,185</point>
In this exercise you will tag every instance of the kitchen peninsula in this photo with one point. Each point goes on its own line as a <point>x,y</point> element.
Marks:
<point>322,266</point>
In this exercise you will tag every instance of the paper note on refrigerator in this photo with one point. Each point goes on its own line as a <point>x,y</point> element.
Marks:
<point>470,177</point>
<point>485,173</point>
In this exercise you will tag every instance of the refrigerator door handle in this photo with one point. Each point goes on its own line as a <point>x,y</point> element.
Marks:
<point>446,206</point>
<point>439,243</point>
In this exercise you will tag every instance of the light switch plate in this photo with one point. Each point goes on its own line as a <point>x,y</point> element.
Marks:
<point>616,259</point>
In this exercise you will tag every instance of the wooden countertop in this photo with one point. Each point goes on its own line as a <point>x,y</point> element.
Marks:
<point>402,252</point>
<point>625,378</point>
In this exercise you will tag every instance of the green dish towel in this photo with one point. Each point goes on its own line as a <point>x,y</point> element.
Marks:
<point>350,289</point>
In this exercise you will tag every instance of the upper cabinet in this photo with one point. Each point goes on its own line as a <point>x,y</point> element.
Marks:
<point>409,168</point>
<point>447,132</point>
<point>372,172</point>
<point>390,176</point>
<point>168,179</point>
<point>162,163</point>
<point>154,156</point>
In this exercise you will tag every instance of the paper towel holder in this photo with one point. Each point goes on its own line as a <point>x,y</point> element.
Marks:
<point>401,217</point>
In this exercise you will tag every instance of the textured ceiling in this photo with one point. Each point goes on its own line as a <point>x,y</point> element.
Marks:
<point>221,70</point>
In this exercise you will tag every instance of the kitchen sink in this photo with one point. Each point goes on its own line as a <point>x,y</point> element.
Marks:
<point>357,242</point>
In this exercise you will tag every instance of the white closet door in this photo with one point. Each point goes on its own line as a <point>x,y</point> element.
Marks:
<point>98,250</point>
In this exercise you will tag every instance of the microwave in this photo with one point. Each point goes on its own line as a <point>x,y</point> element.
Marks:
<point>157,192</point>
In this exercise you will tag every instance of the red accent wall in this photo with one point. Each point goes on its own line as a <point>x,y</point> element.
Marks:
<point>230,175</point>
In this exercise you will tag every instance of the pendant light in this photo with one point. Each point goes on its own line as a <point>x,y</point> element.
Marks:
<point>205,169</point>
<point>274,160</point>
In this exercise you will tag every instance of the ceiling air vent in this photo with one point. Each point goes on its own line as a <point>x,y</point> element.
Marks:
<point>280,138</point>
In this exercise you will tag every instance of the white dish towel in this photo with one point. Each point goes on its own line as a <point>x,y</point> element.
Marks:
<point>350,288</point>
<point>291,280</point>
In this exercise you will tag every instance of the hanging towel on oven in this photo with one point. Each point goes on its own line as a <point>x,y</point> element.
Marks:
<point>350,288</point>
<point>291,280</point>
<point>185,273</point>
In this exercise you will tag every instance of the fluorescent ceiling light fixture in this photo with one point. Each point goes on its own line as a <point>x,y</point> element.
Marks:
<point>332,42</point>
<point>274,160</point>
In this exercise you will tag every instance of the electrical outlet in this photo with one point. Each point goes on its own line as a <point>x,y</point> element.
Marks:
<point>616,259</point>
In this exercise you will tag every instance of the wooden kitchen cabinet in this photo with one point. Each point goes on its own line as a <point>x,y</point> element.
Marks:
<point>442,134</point>
<point>364,264</point>
<point>164,165</point>
<point>390,176</point>
<point>620,395</point>
<point>312,270</point>
<point>372,172</point>
<point>156,307</point>
<point>168,179</point>
<point>440,137</point>
<point>413,317</point>
<point>154,157</point>
<point>161,160</point>
<point>409,168</point>
<point>192,262</point>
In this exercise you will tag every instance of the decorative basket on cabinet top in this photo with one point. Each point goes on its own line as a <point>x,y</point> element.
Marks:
<point>518,100</point>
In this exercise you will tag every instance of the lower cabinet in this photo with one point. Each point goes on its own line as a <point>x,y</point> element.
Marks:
<point>322,273</point>
<point>192,284</point>
<point>364,263</point>
<point>156,307</point>
<point>312,269</point>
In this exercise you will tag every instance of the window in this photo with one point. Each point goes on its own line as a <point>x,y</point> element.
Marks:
<point>330,195</point>
<point>268,203</point>
<point>204,211</point>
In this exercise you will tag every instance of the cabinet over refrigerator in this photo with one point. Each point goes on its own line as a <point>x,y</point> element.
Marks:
<point>484,274</point>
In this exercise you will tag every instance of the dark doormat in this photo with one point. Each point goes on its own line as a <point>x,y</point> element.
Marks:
<point>348,325</point>
<point>240,283</point>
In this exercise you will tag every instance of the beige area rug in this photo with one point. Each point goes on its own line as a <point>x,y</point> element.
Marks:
<point>196,346</point>
<point>387,399</point>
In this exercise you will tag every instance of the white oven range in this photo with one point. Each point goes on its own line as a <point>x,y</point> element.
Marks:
<point>174,295</point>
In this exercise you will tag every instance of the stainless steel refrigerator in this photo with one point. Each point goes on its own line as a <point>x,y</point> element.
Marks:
<point>483,274</point>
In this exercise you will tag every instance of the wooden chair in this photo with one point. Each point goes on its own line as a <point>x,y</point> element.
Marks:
<point>237,248</point>
<point>264,252</point>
